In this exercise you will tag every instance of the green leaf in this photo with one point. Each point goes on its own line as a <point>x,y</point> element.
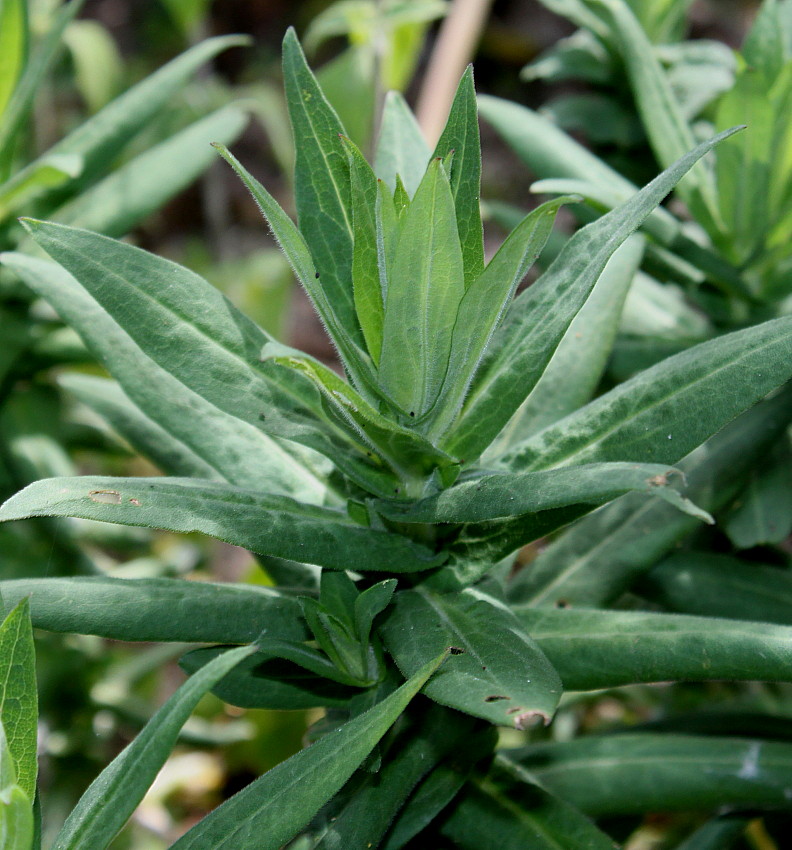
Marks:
<point>484,305</point>
<point>721,586</point>
<point>13,47</point>
<point>274,525</point>
<point>424,292</point>
<point>298,254</point>
<point>669,134</point>
<point>401,147</point>
<point>321,183</point>
<point>540,317</point>
<point>717,834</point>
<point>665,412</point>
<point>461,136</point>
<point>606,649</point>
<point>763,514</point>
<point>635,773</point>
<point>763,47</point>
<point>571,377</point>
<point>366,816</point>
<point>508,810</point>
<point>51,172</point>
<point>16,819</point>
<point>275,807</point>
<point>18,696</point>
<point>633,533</point>
<point>501,675</point>
<point>235,449</point>
<point>158,609</point>
<point>96,60</point>
<point>107,399</point>
<point>263,680</point>
<point>369,604</point>
<point>143,185</point>
<point>112,797</point>
<point>100,138</point>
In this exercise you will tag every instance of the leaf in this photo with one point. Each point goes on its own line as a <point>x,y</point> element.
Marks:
<point>424,291</point>
<point>321,183</point>
<point>148,438</point>
<point>294,247</point>
<point>16,819</point>
<point>236,450</point>
<point>500,676</point>
<point>509,495</point>
<point>669,134</point>
<point>112,797</point>
<point>508,810</point>
<point>633,533</point>
<point>274,525</point>
<point>367,814</point>
<point>143,185</point>
<point>712,585</point>
<point>540,317</point>
<point>572,375</point>
<point>401,147</point>
<point>663,413</point>
<point>718,834</point>
<point>265,681</point>
<point>158,609</point>
<point>96,60</point>
<point>635,773</point>
<point>273,808</point>
<point>763,513</point>
<point>13,47</point>
<point>461,136</point>
<point>607,649</point>
<point>51,172</point>
<point>483,306</point>
<point>18,696</point>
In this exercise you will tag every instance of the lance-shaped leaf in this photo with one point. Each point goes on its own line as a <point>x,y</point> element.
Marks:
<point>158,609</point>
<point>406,452</point>
<point>662,118</point>
<point>235,449</point>
<point>694,582</point>
<point>540,317</point>
<point>718,834</point>
<point>461,137</point>
<point>140,291</point>
<point>16,808</point>
<point>151,440</point>
<point>13,47</point>
<point>143,185</point>
<point>296,250</point>
<point>424,291</point>
<point>665,412</point>
<point>604,649</point>
<point>635,773</point>
<point>508,495</point>
<point>401,147</point>
<point>598,559</point>
<point>266,681</point>
<point>571,377</point>
<point>100,138</point>
<point>500,675</point>
<point>115,793</point>
<point>321,183</point>
<point>483,306</point>
<point>273,525</point>
<point>367,814</point>
<point>275,807</point>
<point>508,810</point>
<point>18,696</point>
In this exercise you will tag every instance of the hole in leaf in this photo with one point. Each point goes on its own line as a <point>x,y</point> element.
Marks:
<point>495,698</point>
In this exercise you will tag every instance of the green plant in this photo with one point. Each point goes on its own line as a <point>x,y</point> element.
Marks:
<point>375,501</point>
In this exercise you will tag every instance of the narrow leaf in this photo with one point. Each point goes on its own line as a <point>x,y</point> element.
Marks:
<point>500,675</point>
<point>273,809</point>
<point>158,609</point>
<point>606,649</point>
<point>274,525</point>
<point>16,819</point>
<point>424,292</point>
<point>401,147</point>
<point>112,797</point>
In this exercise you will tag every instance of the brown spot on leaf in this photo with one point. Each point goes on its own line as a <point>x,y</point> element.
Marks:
<point>456,650</point>
<point>495,698</point>
<point>105,497</point>
<point>529,718</point>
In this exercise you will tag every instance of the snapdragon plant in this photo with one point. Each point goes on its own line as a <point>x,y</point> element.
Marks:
<point>375,502</point>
